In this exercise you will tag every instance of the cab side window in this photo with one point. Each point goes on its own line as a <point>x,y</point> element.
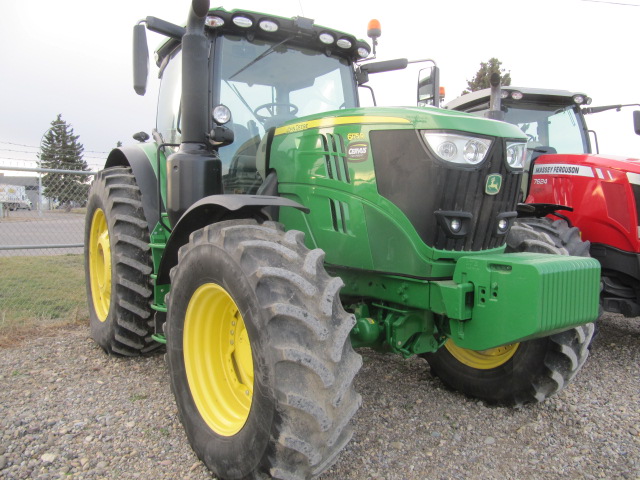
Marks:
<point>168,115</point>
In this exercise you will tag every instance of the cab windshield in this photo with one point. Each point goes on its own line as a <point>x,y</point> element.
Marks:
<point>265,85</point>
<point>552,126</point>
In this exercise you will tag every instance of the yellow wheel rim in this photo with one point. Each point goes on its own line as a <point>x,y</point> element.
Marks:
<point>100,264</point>
<point>482,359</point>
<point>218,359</point>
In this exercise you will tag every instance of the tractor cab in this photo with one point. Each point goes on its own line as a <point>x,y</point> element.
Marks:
<point>551,119</point>
<point>265,70</point>
<point>262,71</point>
<point>554,120</point>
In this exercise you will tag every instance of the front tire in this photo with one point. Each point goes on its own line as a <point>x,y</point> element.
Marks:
<point>118,265</point>
<point>529,371</point>
<point>259,354</point>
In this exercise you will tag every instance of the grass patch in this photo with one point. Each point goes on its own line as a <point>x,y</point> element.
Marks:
<point>138,396</point>
<point>77,211</point>
<point>39,293</point>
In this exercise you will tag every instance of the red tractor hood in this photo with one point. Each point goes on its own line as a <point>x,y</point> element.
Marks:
<point>624,164</point>
<point>604,192</point>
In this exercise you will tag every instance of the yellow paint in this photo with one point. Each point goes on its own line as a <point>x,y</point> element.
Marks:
<point>100,264</point>
<point>335,121</point>
<point>484,359</point>
<point>218,359</point>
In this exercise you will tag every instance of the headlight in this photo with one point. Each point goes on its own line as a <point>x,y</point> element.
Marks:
<point>243,22</point>
<point>363,52</point>
<point>326,38</point>
<point>268,25</point>
<point>460,149</point>
<point>579,99</point>
<point>516,154</point>
<point>221,114</point>
<point>214,21</point>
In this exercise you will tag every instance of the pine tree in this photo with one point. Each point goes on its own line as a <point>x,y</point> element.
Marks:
<point>60,150</point>
<point>481,80</point>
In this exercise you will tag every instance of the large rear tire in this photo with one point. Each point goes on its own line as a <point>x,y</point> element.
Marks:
<point>118,265</point>
<point>259,354</point>
<point>528,371</point>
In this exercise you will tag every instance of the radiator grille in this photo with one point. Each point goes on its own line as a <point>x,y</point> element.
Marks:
<point>408,175</point>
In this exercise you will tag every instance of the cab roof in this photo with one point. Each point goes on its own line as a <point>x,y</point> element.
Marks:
<point>530,95</point>
<point>298,30</point>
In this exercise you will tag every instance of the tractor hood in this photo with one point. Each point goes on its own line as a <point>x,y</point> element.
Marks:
<point>419,118</point>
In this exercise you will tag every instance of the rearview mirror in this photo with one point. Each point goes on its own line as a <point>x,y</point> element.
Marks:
<point>363,72</point>
<point>636,121</point>
<point>140,59</point>
<point>429,87</point>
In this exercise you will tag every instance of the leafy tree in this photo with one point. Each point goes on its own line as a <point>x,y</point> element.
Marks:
<point>60,150</point>
<point>481,80</point>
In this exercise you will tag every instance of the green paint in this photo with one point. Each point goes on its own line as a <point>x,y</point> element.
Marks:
<point>159,238</point>
<point>501,299</point>
<point>393,328</point>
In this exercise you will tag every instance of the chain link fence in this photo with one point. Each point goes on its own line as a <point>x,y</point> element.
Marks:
<point>42,214</point>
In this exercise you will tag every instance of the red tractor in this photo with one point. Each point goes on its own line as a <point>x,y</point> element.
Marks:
<point>570,186</point>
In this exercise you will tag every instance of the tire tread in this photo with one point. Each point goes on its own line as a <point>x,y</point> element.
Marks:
<point>130,315</point>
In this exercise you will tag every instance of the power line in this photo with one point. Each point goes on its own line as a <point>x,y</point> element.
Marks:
<point>31,161</point>
<point>613,3</point>
<point>38,147</point>
<point>32,153</point>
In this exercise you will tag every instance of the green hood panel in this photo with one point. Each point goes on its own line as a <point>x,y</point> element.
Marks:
<point>419,118</point>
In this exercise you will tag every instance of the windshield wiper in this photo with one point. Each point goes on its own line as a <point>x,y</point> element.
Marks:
<point>261,56</point>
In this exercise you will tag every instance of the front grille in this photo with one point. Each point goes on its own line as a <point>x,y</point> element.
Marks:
<point>408,175</point>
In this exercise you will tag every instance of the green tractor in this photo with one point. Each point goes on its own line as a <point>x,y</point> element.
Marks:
<point>272,225</point>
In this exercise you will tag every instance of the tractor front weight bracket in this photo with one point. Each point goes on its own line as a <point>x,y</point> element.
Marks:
<point>500,299</point>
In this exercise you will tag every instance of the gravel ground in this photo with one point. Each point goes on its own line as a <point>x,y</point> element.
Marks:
<point>69,411</point>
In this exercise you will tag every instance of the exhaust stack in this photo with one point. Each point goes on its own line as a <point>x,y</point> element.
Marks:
<point>495,111</point>
<point>194,171</point>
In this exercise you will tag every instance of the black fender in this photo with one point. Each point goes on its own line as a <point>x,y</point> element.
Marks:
<point>134,157</point>
<point>212,209</point>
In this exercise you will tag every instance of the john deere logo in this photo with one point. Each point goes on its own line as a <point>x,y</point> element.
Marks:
<point>494,182</point>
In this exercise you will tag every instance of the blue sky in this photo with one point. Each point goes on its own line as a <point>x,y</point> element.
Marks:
<point>74,57</point>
